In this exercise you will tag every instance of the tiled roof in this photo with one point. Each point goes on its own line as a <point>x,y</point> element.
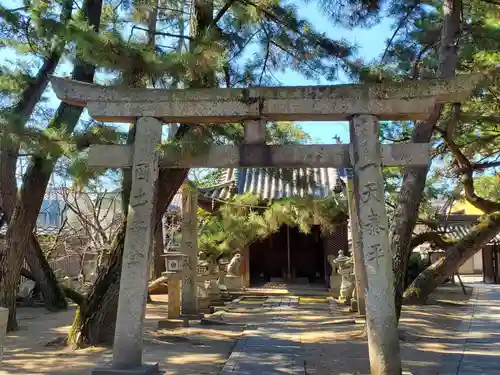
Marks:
<point>456,226</point>
<point>276,183</point>
<point>459,229</point>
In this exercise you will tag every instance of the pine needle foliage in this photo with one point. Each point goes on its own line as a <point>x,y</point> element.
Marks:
<point>245,219</point>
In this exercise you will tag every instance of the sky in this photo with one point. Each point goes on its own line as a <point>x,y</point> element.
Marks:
<point>370,42</point>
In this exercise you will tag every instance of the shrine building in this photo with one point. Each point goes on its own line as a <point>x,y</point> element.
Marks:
<point>287,255</point>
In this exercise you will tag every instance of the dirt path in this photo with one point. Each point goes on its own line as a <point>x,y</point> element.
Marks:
<point>187,351</point>
<point>330,343</point>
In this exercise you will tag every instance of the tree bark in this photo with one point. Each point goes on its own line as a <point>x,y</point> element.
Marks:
<point>453,259</point>
<point>158,259</point>
<point>157,284</point>
<point>414,178</point>
<point>36,179</point>
<point>11,258</point>
<point>95,320</point>
<point>54,297</point>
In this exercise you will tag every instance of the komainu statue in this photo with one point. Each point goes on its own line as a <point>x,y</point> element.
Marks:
<point>233,268</point>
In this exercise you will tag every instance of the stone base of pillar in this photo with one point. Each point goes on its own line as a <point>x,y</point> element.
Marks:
<point>354,305</point>
<point>204,305</point>
<point>188,317</point>
<point>345,301</point>
<point>141,370</point>
<point>335,282</point>
<point>234,283</point>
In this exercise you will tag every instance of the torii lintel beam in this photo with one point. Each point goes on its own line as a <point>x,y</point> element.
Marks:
<point>409,100</point>
<point>272,156</point>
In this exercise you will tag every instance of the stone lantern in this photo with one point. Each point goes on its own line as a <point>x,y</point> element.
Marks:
<point>174,261</point>
<point>346,268</point>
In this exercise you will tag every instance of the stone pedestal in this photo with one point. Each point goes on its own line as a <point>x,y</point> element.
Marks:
<point>335,278</point>
<point>354,301</point>
<point>174,298</point>
<point>335,283</point>
<point>234,283</point>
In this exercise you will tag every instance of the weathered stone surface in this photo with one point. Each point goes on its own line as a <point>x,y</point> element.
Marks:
<point>283,156</point>
<point>127,352</point>
<point>383,339</point>
<point>174,298</point>
<point>395,101</point>
<point>357,305</point>
<point>189,246</point>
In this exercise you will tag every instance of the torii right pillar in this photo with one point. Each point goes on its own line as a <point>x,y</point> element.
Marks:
<point>366,159</point>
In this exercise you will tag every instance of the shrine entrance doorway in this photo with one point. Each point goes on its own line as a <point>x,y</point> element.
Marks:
<point>288,255</point>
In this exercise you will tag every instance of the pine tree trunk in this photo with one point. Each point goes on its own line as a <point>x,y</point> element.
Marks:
<point>11,257</point>
<point>414,178</point>
<point>35,182</point>
<point>454,258</point>
<point>158,259</point>
<point>95,320</point>
<point>54,298</point>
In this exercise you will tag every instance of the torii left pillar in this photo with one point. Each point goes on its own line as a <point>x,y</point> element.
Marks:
<point>128,342</point>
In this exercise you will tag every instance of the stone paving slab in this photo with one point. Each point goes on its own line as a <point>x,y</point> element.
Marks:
<point>258,353</point>
<point>481,352</point>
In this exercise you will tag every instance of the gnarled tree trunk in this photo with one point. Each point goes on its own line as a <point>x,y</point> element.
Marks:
<point>95,321</point>
<point>414,178</point>
<point>36,179</point>
<point>11,257</point>
<point>453,259</point>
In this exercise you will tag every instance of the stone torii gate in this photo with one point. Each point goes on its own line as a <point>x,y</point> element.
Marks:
<point>362,105</point>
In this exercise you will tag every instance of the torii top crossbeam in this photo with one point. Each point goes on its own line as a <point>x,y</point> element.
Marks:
<point>409,100</point>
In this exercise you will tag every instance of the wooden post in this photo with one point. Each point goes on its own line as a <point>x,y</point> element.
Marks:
<point>127,349</point>
<point>189,246</point>
<point>383,339</point>
<point>357,255</point>
<point>174,298</point>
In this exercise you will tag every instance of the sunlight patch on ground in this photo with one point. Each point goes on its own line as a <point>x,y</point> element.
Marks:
<point>194,358</point>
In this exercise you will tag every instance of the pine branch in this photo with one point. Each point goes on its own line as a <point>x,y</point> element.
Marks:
<point>222,11</point>
<point>434,238</point>
<point>465,166</point>
<point>162,33</point>
<point>396,31</point>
